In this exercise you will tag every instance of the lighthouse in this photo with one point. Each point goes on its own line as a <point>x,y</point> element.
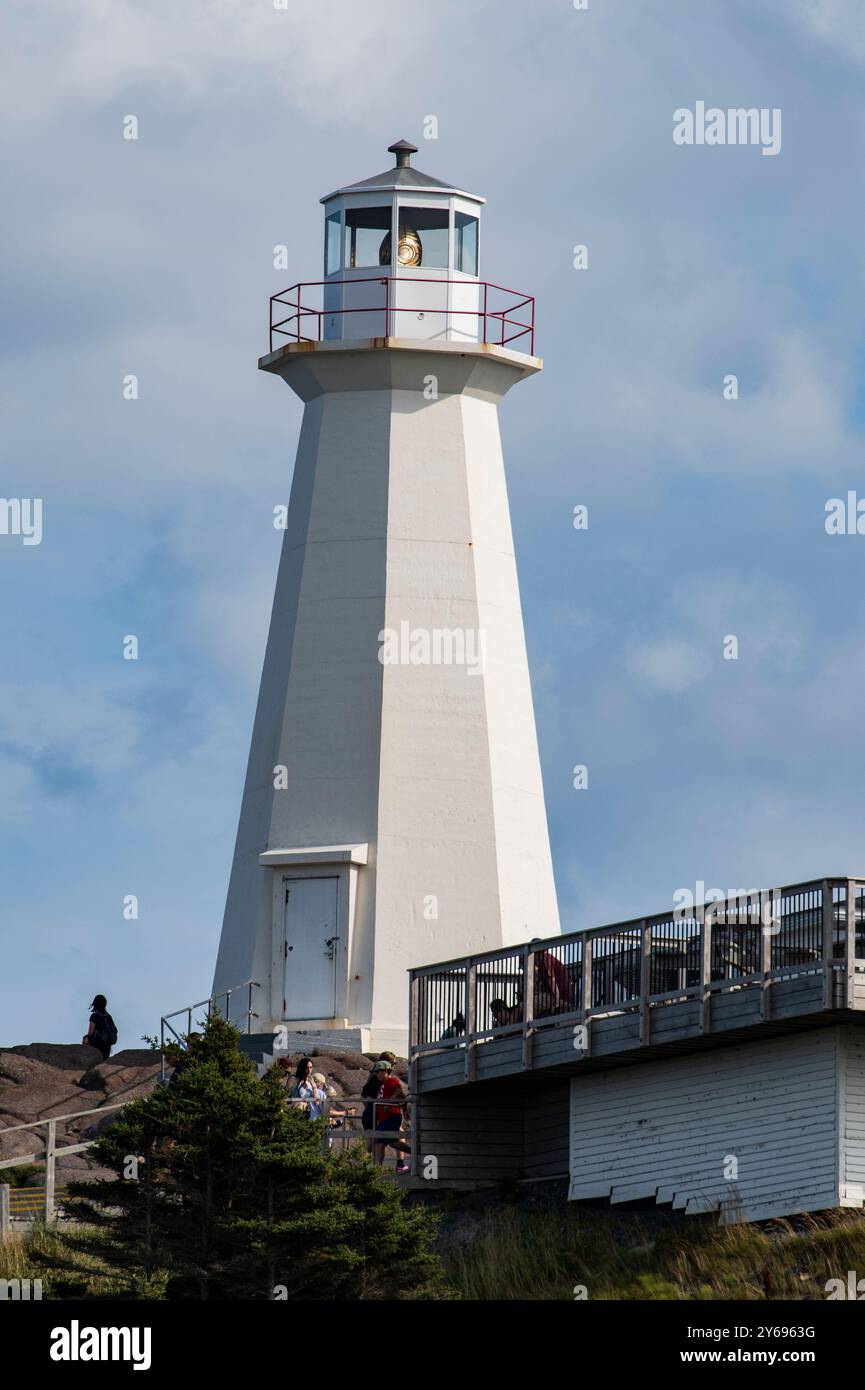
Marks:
<point>393,809</point>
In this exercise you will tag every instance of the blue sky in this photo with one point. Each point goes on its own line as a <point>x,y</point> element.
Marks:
<point>706,517</point>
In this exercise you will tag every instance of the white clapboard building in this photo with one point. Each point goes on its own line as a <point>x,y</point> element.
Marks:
<point>703,1060</point>
<point>393,809</point>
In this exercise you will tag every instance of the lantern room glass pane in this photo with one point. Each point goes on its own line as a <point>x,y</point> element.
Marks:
<point>423,237</point>
<point>331,243</point>
<point>466,243</point>
<point>365,232</point>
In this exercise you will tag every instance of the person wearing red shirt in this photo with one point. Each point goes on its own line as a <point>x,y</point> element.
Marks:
<point>389,1117</point>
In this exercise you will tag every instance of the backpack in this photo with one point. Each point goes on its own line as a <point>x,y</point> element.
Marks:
<point>106,1029</point>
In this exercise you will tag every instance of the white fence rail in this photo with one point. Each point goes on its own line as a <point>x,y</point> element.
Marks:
<point>48,1156</point>
<point>342,1135</point>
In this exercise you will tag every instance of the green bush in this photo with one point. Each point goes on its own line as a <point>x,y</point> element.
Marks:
<point>222,1191</point>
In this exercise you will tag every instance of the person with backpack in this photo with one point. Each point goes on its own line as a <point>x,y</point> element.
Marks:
<point>389,1118</point>
<point>102,1033</point>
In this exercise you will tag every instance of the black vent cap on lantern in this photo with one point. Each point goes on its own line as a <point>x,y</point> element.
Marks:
<point>403,149</point>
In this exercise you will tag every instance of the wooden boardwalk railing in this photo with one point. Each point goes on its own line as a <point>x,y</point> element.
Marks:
<point>683,958</point>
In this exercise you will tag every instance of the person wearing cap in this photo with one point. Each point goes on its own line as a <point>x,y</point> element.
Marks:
<point>370,1091</point>
<point>388,1117</point>
<point>102,1032</point>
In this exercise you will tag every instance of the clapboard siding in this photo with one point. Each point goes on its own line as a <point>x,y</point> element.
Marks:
<point>482,1137</point>
<point>546,1132</point>
<point>474,1134</point>
<point>664,1129</point>
<point>504,1057</point>
<point>853,1118</point>
<point>440,1069</point>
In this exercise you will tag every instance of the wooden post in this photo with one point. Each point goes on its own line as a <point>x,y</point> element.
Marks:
<point>766,934</point>
<point>414,1034</point>
<point>705,966</point>
<point>50,1152</point>
<point>850,953</point>
<point>325,1115</point>
<point>587,973</point>
<point>413,1030</point>
<point>5,1212</point>
<point>471,1018</point>
<point>414,1137</point>
<point>414,1013</point>
<point>645,982</point>
<point>529,958</point>
<point>587,989</point>
<point>828,946</point>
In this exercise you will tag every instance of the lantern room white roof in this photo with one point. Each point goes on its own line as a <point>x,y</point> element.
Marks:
<point>401,177</point>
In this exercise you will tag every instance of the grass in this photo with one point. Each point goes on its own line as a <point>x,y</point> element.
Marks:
<point>521,1253</point>
<point>64,1259</point>
<point>511,1251</point>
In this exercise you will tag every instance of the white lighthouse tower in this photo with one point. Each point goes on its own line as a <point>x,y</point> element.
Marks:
<point>393,811</point>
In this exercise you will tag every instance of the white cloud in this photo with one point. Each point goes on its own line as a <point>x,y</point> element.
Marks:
<point>669,665</point>
<point>101,51</point>
<point>840,24</point>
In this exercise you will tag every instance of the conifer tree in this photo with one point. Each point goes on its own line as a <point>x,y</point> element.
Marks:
<point>223,1191</point>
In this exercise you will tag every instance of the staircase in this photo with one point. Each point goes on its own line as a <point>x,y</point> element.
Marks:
<point>258,1047</point>
<point>261,1048</point>
<point>259,1040</point>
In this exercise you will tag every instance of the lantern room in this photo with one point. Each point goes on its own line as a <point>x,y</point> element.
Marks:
<point>401,257</point>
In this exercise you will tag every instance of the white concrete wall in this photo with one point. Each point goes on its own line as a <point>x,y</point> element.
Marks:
<point>398,514</point>
<point>319,704</point>
<point>665,1129</point>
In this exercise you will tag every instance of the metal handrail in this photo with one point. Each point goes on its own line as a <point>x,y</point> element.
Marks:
<point>503,316</point>
<point>344,1135</point>
<point>189,1009</point>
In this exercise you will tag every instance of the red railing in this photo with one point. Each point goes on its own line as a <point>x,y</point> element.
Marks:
<point>495,320</point>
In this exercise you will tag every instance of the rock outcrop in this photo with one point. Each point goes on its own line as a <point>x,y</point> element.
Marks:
<point>41,1081</point>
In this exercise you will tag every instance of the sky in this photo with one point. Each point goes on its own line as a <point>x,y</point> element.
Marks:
<point>154,257</point>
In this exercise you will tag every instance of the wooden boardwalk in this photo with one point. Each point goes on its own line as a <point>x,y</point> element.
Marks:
<point>761,962</point>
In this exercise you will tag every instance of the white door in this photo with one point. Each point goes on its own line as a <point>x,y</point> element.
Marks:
<point>311,948</point>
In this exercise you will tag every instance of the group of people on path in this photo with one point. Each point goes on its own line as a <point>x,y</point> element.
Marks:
<point>384,1094</point>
